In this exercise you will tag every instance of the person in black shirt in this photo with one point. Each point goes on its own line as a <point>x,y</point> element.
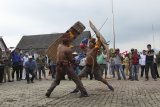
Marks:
<point>150,63</point>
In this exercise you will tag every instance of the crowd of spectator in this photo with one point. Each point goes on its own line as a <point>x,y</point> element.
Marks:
<point>116,65</point>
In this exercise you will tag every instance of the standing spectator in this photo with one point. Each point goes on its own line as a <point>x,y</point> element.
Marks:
<point>155,66</point>
<point>82,56</point>
<point>126,63</point>
<point>82,59</point>
<point>1,71</point>
<point>142,62</point>
<point>41,66</point>
<point>15,63</point>
<point>123,64</point>
<point>7,66</point>
<point>101,62</point>
<point>118,64</point>
<point>49,67</point>
<point>76,62</point>
<point>30,67</point>
<point>25,59</point>
<point>106,62</point>
<point>135,65</point>
<point>112,64</point>
<point>21,66</point>
<point>52,67</point>
<point>1,67</point>
<point>150,63</point>
<point>130,63</point>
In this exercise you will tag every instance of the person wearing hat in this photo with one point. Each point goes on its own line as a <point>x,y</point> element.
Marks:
<point>135,65</point>
<point>76,62</point>
<point>91,63</point>
<point>41,65</point>
<point>30,67</point>
<point>7,67</point>
<point>130,64</point>
<point>64,66</point>
<point>101,60</point>
<point>118,64</point>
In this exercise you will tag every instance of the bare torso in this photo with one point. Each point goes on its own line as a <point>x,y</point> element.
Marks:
<point>64,53</point>
<point>91,55</point>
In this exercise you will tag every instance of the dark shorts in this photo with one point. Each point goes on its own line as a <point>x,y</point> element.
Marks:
<point>88,69</point>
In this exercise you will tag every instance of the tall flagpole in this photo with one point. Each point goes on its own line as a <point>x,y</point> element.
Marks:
<point>153,36</point>
<point>114,36</point>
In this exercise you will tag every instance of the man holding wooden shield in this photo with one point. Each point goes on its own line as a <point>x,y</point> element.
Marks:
<point>91,61</point>
<point>64,60</point>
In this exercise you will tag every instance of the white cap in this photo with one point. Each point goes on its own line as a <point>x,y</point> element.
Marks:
<point>74,53</point>
<point>30,57</point>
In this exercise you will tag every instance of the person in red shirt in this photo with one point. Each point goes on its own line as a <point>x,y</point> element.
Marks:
<point>135,65</point>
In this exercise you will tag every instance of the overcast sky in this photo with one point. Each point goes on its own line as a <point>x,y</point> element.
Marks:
<point>133,19</point>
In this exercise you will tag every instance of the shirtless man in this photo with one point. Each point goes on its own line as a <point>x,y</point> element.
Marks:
<point>64,66</point>
<point>91,64</point>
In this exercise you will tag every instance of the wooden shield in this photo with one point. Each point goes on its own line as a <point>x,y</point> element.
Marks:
<point>76,30</point>
<point>98,34</point>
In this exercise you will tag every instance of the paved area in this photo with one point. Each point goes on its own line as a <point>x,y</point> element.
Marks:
<point>127,94</point>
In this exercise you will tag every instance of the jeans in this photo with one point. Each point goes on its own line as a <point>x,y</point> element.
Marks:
<point>119,67</point>
<point>112,68</point>
<point>135,69</point>
<point>77,70</point>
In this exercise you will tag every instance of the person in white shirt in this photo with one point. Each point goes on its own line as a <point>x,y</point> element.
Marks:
<point>25,59</point>
<point>82,62</point>
<point>142,62</point>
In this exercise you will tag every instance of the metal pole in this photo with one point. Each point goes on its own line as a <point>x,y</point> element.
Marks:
<point>153,36</point>
<point>114,36</point>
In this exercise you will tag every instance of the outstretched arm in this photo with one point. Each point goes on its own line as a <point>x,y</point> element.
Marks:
<point>98,43</point>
